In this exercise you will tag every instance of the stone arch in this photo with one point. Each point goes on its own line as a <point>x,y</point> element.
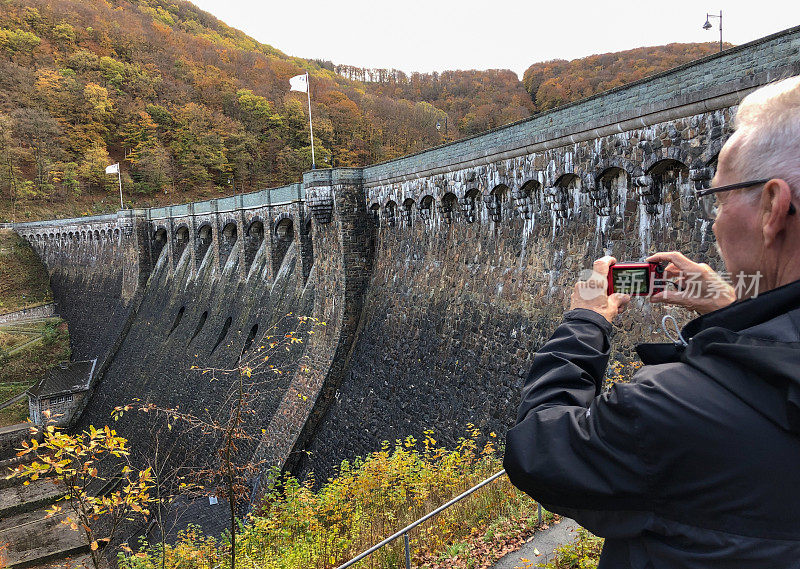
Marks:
<point>526,198</point>
<point>703,171</point>
<point>227,239</point>
<point>254,238</point>
<point>426,206</point>
<point>448,207</point>
<point>375,212</point>
<point>559,197</point>
<point>284,236</point>
<point>116,234</point>
<point>83,235</point>
<point>407,212</point>
<point>205,236</point>
<point>390,213</point>
<point>158,242</point>
<point>663,156</point>
<point>470,204</point>
<point>284,228</point>
<point>179,241</point>
<point>497,201</point>
<point>663,190</point>
<point>610,191</point>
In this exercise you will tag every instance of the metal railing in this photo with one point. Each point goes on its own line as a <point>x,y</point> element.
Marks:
<point>404,532</point>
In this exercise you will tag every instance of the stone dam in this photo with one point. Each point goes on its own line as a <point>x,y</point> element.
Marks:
<point>438,274</point>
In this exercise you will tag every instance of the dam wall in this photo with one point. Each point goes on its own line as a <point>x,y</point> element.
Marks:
<point>480,241</point>
<point>438,274</point>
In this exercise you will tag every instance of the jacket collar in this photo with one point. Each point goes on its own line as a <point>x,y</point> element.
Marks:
<point>735,317</point>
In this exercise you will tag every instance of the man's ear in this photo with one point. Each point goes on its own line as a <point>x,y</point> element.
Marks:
<point>775,201</point>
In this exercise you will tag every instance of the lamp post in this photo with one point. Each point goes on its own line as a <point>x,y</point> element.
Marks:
<point>708,26</point>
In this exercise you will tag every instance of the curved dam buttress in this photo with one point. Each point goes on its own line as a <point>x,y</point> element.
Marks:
<point>438,274</point>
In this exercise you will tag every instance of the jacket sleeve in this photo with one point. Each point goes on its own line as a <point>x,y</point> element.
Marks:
<point>572,448</point>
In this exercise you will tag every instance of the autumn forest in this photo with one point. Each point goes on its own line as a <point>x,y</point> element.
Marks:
<point>192,108</point>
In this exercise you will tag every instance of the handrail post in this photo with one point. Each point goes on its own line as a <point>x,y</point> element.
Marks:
<point>408,552</point>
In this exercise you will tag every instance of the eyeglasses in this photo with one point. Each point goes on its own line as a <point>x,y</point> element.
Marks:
<point>709,206</point>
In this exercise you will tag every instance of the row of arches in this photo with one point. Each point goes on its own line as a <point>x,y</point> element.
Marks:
<point>613,190</point>
<point>75,236</point>
<point>283,231</point>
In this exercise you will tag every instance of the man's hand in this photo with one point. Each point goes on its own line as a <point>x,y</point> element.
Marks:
<point>592,293</point>
<point>700,288</point>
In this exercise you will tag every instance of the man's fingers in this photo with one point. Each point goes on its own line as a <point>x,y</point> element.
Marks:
<point>602,264</point>
<point>678,298</point>
<point>678,259</point>
<point>619,300</point>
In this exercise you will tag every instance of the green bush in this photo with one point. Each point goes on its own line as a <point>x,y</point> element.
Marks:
<point>583,553</point>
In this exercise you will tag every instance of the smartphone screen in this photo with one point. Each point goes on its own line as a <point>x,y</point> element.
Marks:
<point>631,281</point>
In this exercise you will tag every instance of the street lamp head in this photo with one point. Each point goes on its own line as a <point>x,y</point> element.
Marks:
<point>707,25</point>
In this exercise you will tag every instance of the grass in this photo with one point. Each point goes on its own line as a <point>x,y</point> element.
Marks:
<point>583,553</point>
<point>19,370</point>
<point>369,499</point>
<point>23,279</point>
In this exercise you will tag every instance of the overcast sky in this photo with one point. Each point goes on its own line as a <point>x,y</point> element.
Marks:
<point>435,35</point>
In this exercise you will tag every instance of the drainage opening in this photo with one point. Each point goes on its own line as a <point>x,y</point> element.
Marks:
<point>222,334</point>
<point>250,337</point>
<point>200,325</point>
<point>177,320</point>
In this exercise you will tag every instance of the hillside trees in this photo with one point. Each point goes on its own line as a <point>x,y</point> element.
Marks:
<point>186,103</point>
<point>557,82</point>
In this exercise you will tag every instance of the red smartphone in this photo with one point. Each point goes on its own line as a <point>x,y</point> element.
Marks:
<point>636,279</point>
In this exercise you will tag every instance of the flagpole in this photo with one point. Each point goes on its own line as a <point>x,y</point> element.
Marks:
<point>119,176</point>
<point>310,126</point>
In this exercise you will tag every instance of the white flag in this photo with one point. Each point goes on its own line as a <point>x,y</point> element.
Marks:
<point>299,83</point>
<point>113,169</point>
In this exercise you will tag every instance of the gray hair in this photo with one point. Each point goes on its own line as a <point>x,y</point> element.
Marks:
<point>768,128</point>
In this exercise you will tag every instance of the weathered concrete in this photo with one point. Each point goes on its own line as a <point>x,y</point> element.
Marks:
<point>30,313</point>
<point>34,537</point>
<point>19,498</point>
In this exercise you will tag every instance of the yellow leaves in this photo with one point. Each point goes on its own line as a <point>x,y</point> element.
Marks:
<point>94,546</point>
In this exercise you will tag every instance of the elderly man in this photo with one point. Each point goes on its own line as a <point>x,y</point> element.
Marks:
<point>695,462</point>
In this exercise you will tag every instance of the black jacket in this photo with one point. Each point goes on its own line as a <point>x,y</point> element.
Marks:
<point>695,462</point>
